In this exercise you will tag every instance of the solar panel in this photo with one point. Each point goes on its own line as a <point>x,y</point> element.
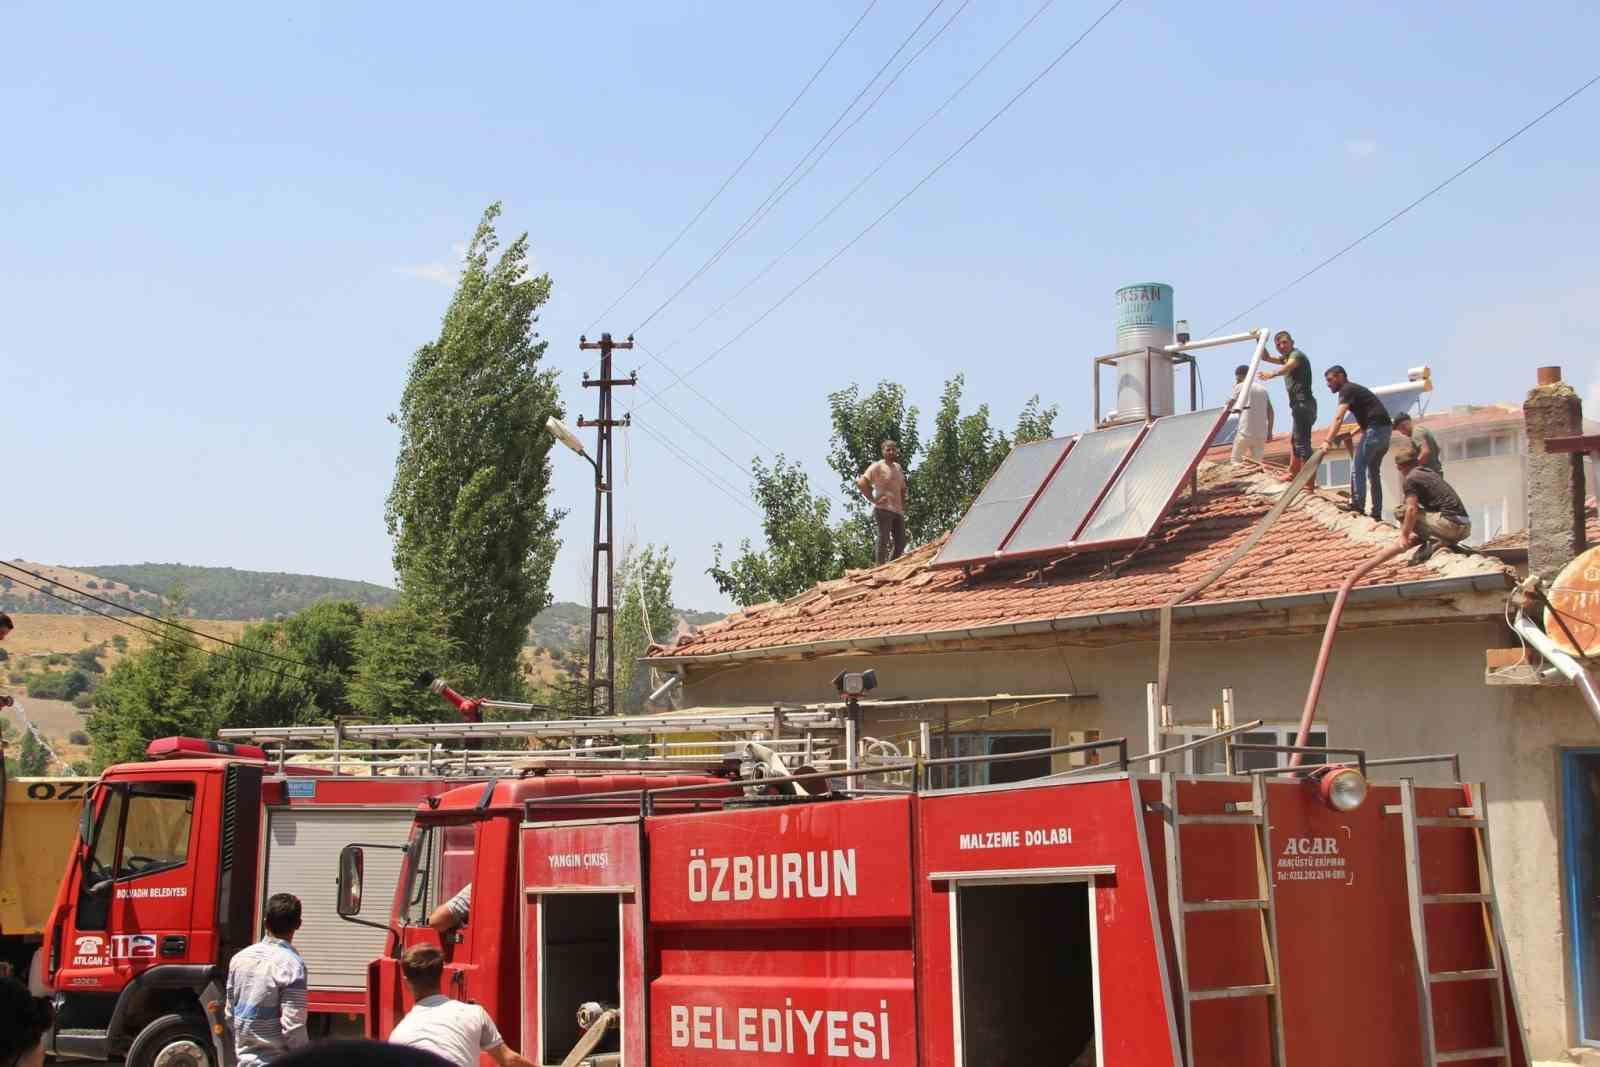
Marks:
<point>1151,480</point>
<point>1064,503</point>
<point>995,512</point>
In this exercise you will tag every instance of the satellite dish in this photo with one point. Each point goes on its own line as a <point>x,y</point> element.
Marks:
<point>1572,618</point>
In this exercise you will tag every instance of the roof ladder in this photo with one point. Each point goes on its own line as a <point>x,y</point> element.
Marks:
<point>1472,820</point>
<point>1254,815</point>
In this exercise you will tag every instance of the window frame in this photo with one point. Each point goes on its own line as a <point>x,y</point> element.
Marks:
<point>1281,734</point>
<point>129,792</point>
<point>966,775</point>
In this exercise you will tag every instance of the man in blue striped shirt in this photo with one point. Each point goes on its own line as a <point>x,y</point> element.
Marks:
<point>266,1002</point>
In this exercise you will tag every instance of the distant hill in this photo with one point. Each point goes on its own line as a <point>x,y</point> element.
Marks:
<point>226,593</point>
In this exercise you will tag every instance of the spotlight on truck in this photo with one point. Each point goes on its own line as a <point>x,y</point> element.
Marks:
<point>1343,788</point>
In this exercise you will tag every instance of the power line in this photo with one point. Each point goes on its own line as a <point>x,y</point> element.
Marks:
<point>161,635</point>
<point>1552,109</point>
<point>991,120</point>
<point>709,402</point>
<point>142,614</point>
<point>738,169</point>
<point>779,191</point>
<point>692,428</point>
<point>709,476</point>
<point>853,123</point>
<point>1029,21</point>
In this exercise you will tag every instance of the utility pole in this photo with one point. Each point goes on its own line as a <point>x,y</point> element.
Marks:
<point>604,541</point>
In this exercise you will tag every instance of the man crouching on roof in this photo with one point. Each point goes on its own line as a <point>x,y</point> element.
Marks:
<point>1433,513</point>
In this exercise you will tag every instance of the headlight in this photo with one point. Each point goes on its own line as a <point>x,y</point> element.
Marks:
<point>1343,789</point>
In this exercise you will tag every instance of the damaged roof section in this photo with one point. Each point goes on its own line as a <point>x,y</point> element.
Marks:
<point>1309,551</point>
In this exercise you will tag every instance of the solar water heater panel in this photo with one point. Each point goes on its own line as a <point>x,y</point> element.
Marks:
<point>1150,482</point>
<point>1065,501</point>
<point>1002,501</point>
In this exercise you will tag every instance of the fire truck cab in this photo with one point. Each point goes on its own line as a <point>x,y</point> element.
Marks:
<point>1115,918</point>
<point>174,859</point>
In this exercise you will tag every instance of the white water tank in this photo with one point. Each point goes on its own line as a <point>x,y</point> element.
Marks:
<point>1144,320</point>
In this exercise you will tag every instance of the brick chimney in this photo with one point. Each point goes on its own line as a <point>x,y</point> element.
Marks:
<point>1555,479</point>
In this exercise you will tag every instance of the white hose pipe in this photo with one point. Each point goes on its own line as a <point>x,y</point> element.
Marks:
<point>1569,667</point>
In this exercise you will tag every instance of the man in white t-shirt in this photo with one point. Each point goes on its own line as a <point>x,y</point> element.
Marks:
<point>884,483</point>
<point>445,1027</point>
<point>1255,421</point>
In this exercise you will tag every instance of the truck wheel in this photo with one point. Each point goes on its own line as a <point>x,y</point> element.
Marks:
<point>172,1041</point>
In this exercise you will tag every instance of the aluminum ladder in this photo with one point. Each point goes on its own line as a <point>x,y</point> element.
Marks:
<point>1253,814</point>
<point>1470,819</point>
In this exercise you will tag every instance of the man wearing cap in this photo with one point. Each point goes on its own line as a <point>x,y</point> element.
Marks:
<point>1302,402</point>
<point>1433,513</point>
<point>1422,437</point>
<point>1255,421</point>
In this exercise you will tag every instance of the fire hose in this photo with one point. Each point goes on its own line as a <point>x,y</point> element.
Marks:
<point>595,1021</point>
<point>1328,634</point>
<point>1164,657</point>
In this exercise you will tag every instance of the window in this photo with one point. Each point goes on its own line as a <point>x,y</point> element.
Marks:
<point>988,744</point>
<point>1483,446</point>
<point>1334,473</point>
<point>1488,521</point>
<point>153,822</point>
<point>155,835</point>
<point>1213,759</point>
<point>418,874</point>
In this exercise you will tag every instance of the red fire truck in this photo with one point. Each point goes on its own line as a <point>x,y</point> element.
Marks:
<point>176,855</point>
<point>1114,915</point>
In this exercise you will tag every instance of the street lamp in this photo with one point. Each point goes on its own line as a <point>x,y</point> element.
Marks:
<point>563,433</point>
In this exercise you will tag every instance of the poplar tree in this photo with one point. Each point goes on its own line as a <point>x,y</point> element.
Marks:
<point>474,534</point>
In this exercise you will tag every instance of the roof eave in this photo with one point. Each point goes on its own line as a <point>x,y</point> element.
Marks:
<point>1432,588</point>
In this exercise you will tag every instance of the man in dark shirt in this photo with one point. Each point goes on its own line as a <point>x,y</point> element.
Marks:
<point>1427,445</point>
<point>1302,402</point>
<point>1433,513</point>
<point>1373,418</point>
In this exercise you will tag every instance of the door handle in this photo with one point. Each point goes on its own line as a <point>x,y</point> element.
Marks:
<point>174,945</point>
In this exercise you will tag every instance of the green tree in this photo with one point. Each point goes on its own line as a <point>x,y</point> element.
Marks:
<point>474,535</point>
<point>394,649</point>
<point>159,691</point>
<point>88,659</point>
<point>646,580</point>
<point>251,689</point>
<point>35,760</point>
<point>57,685</point>
<point>805,545</point>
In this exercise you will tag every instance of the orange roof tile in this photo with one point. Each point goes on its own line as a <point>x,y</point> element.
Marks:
<point>1309,550</point>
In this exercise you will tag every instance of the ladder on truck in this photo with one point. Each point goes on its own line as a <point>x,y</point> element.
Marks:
<point>1252,814</point>
<point>1471,820</point>
<point>798,735</point>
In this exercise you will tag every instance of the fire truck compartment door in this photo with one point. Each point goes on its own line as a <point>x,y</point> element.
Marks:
<point>582,935</point>
<point>303,845</point>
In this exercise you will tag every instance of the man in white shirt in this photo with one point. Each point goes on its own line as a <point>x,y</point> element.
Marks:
<point>1255,421</point>
<point>448,1028</point>
<point>265,1003</point>
<point>884,483</point>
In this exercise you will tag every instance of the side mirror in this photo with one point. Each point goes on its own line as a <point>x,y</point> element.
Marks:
<point>101,888</point>
<point>352,863</point>
<point>86,815</point>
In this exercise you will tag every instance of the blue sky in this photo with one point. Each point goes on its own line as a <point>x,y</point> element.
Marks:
<point>223,232</point>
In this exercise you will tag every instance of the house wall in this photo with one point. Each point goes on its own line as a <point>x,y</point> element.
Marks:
<point>1378,695</point>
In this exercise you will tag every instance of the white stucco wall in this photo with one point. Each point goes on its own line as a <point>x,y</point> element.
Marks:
<point>1394,691</point>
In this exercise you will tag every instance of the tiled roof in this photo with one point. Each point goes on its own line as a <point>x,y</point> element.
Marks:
<point>1311,549</point>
